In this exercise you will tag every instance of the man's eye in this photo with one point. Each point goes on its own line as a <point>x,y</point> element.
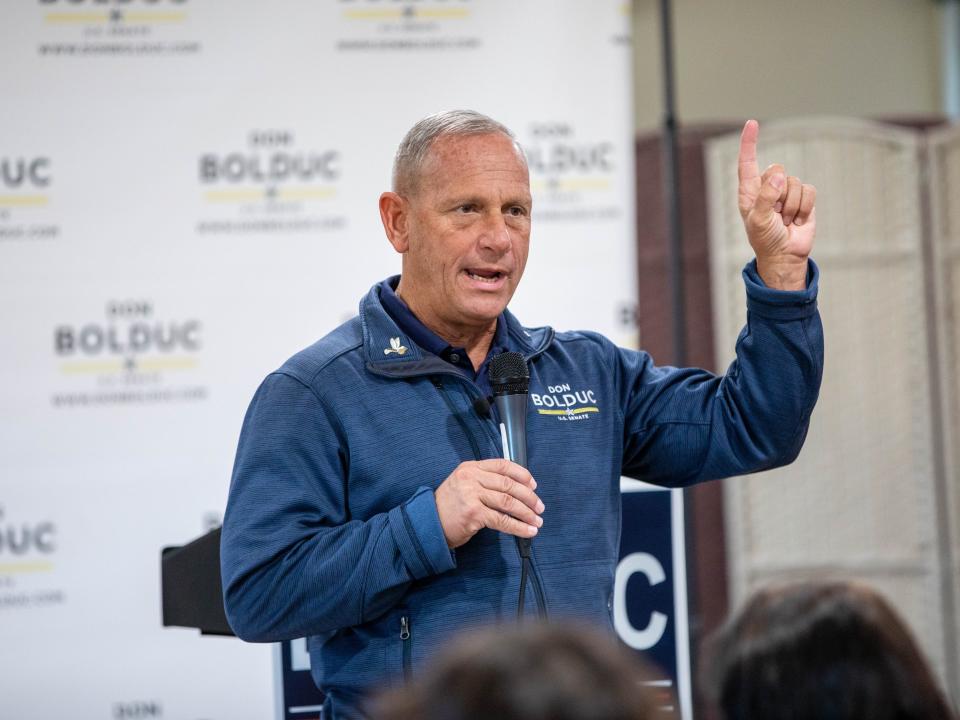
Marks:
<point>469,207</point>
<point>517,211</point>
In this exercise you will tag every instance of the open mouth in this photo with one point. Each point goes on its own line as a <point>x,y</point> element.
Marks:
<point>487,276</point>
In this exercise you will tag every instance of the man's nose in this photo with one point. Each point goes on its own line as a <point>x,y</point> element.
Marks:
<point>496,234</point>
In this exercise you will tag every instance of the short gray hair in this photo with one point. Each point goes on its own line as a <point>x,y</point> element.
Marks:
<point>415,145</point>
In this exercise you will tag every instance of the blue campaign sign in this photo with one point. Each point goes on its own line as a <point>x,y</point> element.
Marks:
<point>298,698</point>
<point>650,597</point>
<point>650,605</point>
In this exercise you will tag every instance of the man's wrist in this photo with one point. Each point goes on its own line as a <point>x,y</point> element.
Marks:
<point>783,274</point>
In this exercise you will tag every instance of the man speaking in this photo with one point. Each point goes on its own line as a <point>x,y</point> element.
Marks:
<point>370,508</point>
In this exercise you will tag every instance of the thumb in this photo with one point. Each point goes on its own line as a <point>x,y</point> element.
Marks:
<point>771,192</point>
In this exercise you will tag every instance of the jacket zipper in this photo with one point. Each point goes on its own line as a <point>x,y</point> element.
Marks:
<point>405,639</point>
<point>438,383</point>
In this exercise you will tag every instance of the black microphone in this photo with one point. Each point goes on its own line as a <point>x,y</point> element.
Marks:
<point>510,380</point>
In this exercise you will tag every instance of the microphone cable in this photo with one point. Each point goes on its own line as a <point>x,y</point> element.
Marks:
<point>526,570</point>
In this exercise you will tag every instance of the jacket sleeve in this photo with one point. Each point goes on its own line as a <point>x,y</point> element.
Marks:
<point>683,426</point>
<point>294,562</point>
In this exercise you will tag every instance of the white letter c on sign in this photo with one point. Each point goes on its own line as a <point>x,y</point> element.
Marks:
<point>651,634</point>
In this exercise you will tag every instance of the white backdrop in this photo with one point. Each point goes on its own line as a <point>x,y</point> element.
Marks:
<point>188,195</point>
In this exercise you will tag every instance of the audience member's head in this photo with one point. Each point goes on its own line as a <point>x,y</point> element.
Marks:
<point>530,672</point>
<point>824,650</point>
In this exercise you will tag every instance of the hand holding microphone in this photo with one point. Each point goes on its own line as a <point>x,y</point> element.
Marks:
<point>498,494</point>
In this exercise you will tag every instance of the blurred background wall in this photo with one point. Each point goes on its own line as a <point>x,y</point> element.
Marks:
<point>777,58</point>
<point>856,97</point>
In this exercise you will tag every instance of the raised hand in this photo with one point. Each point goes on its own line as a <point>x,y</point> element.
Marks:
<point>778,214</point>
<point>496,494</point>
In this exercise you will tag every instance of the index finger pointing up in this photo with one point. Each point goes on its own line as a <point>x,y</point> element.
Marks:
<point>747,169</point>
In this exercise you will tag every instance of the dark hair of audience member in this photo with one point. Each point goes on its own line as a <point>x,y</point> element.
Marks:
<point>824,650</point>
<point>530,672</point>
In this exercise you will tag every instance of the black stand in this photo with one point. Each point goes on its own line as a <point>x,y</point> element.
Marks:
<point>191,587</point>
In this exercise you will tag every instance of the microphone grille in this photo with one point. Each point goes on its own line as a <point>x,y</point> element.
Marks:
<point>509,373</point>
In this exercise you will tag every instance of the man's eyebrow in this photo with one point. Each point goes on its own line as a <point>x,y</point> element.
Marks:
<point>458,200</point>
<point>524,199</point>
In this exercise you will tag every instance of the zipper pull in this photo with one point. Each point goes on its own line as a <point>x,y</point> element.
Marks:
<point>404,628</point>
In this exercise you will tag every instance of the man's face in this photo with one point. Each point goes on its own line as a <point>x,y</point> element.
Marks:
<point>468,232</point>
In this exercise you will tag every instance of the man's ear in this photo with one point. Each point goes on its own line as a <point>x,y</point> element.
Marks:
<point>395,215</point>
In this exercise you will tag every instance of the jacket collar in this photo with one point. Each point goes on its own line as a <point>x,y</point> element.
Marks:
<point>388,351</point>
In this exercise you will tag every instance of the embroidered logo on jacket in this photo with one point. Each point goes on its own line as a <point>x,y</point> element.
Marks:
<point>395,347</point>
<point>565,403</point>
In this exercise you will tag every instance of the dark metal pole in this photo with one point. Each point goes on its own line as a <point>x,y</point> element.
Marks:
<point>671,191</point>
<point>671,194</point>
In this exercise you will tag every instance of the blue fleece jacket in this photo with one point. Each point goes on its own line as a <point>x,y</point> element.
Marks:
<point>331,529</point>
